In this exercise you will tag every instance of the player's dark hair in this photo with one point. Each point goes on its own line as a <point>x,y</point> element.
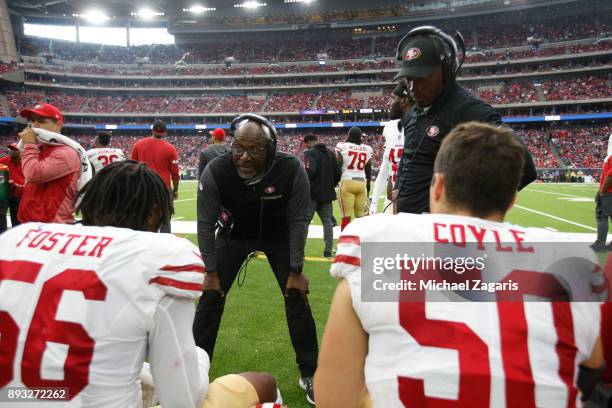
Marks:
<point>482,167</point>
<point>310,138</point>
<point>103,138</point>
<point>354,135</point>
<point>125,194</point>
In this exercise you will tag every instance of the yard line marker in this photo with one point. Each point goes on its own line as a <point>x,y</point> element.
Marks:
<point>551,229</point>
<point>554,217</point>
<point>177,218</point>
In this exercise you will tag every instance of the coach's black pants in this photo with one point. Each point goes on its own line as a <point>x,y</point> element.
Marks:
<point>302,330</point>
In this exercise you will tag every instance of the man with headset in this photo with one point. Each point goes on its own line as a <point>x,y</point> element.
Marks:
<point>429,67</point>
<point>258,198</point>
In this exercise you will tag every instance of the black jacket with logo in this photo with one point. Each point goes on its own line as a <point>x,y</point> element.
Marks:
<point>323,172</point>
<point>423,135</point>
<point>272,210</point>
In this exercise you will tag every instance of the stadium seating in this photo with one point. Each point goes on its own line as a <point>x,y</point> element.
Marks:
<point>487,34</point>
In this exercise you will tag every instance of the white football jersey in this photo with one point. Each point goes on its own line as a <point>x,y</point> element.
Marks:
<point>468,354</point>
<point>394,149</point>
<point>354,159</point>
<point>102,157</point>
<point>394,146</point>
<point>81,307</point>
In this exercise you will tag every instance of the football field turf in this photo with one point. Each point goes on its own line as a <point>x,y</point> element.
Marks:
<point>254,335</point>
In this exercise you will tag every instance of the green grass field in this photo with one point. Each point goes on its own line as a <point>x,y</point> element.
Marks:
<point>254,333</point>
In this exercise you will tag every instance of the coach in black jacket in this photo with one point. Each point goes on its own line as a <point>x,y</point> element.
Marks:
<point>324,174</point>
<point>261,197</point>
<point>441,104</point>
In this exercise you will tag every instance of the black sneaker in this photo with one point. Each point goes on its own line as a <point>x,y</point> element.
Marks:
<point>327,254</point>
<point>306,384</point>
<point>599,246</point>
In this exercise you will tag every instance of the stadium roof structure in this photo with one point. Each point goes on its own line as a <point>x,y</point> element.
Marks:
<point>124,8</point>
<point>44,11</point>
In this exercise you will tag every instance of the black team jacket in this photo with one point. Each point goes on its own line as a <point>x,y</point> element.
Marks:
<point>424,131</point>
<point>273,210</point>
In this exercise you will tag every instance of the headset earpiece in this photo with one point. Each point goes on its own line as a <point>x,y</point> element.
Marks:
<point>272,139</point>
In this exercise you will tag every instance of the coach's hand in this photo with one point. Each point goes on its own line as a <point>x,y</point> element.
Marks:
<point>212,282</point>
<point>175,195</point>
<point>27,135</point>
<point>300,282</point>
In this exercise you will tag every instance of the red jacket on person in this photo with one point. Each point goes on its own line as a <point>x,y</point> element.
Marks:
<point>15,176</point>
<point>51,175</point>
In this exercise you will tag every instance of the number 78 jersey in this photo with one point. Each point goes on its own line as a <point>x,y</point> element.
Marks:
<point>467,354</point>
<point>354,159</point>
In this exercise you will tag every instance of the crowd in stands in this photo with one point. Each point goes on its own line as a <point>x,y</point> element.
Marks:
<point>578,146</point>
<point>518,92</point>
<point>582,147</point>
<point>525,91</point>
<point>8,67</point>
<point>383,58</point>
<point>339,100</point>
<point>494,33</point>
<point>239,104</point>
<point>290,103</point>
<point>94,69</point>
<point>561,29</point>
<point>537,141</point>
<point>591,87</point>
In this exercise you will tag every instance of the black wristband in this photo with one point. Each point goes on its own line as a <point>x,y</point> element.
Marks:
<point>295,269</point>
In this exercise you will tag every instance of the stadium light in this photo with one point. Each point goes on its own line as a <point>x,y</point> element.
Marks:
<point>250,5</point>
<point>198,9</point>
<point>147,14</point>
<point>299,1</point>
<point>94,16</point>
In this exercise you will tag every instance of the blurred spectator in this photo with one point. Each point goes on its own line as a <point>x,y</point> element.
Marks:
<point>216,148</point>
<point>324,174</point>
<point>16,183</point>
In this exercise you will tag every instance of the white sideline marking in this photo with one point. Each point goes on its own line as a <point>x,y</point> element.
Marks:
<point>556,218</point>
<point>561,194</point>
<point>177,218</point>
<point>551,229</point>
<point>190,227</point>
<point>186,199</point>
<point>576,199</point>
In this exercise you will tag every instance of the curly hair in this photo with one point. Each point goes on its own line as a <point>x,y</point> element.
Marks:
<point>125,194</point>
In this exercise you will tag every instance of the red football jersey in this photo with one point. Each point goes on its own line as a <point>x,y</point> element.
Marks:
<point>159,155</point>
<point>605,172</point>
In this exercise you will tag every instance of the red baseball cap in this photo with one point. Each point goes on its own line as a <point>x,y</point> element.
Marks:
<point>218,134</point>
<point>12,146</point>
<point>45,110</point>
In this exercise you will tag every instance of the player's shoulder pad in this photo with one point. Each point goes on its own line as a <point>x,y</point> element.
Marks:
<point>360,230</point>
<point>177,268</point>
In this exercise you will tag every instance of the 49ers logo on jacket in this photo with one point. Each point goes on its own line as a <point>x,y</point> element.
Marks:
<point>433,131</point>
<point>412,54</point>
